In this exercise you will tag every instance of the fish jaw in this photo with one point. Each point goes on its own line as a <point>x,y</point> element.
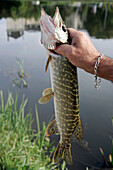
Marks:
<point>47,31</point>
<point>52,30</point>
<point>61,33</point>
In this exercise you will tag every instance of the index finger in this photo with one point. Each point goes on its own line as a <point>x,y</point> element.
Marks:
<point>63,49</point>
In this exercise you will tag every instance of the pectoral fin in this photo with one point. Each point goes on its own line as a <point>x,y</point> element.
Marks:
<point>45,98</point>
<point>52,128</point>
<point>47,91</point>
<point>47,64</point>
<point>78,130</point>
<point>47,95</point>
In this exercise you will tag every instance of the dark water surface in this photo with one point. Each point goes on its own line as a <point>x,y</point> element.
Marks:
<point>20,38</point>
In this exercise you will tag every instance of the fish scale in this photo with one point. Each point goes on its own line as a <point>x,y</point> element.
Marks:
<point>61,113</point>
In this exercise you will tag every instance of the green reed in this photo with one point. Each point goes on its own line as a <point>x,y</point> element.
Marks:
<point>21,67</point>
<point>21,147</point>
<point>21,75</point>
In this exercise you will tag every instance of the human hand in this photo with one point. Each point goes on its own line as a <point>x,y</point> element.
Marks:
<point>81,52</point>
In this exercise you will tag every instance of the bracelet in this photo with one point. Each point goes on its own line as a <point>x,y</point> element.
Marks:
<point>97,80</point>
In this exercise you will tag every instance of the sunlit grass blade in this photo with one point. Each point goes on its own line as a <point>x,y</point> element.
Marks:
<point>63,165</point>
<point>9,102</point>
<point>2,101</point>
<point>16,100</point>
<point>103,155</point>
<point>37,119</point>
<point>21,66</point>
<point>24,82</point>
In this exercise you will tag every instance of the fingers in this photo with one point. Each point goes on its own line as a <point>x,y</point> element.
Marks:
<point>66,49</point>
<point>63,49</point>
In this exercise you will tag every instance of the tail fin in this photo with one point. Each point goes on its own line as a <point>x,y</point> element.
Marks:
<point>63,151</point>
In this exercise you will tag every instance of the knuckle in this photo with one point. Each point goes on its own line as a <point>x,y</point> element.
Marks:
<point>82,34</point>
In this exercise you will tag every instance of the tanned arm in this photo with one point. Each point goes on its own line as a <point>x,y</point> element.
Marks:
<point>84,55</point>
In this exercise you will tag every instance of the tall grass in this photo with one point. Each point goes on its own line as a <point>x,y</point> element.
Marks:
<point>21,148</point>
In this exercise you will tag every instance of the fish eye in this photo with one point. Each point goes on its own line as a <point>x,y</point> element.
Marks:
<point>64,28</point>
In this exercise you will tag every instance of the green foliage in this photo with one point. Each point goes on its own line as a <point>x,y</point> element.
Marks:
<point>27,10</point>
<point>99,24</point>
<point>21,66</point>
<point>21,75</point>
<point>22,148</point>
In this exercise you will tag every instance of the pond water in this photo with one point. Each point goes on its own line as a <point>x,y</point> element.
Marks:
<point>20,38</point>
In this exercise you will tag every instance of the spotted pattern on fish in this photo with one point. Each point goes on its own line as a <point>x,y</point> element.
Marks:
<point>66,96</point>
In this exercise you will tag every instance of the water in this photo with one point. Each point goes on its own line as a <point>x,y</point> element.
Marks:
<point>20,38</point>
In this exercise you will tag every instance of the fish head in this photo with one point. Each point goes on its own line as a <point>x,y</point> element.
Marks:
<point>53,30</point>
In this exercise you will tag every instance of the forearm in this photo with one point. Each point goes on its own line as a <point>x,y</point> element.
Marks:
<point>105,69</point>
<point>84,55</point>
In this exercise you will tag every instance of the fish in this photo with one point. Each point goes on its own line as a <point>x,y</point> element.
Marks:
<point>64,87</point>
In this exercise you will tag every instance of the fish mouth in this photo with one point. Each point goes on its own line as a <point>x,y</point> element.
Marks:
<point>43,13</point>
<point>51,30</point>
<point>51,20</point>
<point>47,31</point>
<point>45,21</point>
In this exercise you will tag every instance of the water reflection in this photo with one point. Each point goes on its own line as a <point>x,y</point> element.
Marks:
<point>99,22</point>
<point>96,18</point>
<point>16,27</point>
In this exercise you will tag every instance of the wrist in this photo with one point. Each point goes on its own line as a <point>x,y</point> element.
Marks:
<point>89,67</point>
<point>92,62</point>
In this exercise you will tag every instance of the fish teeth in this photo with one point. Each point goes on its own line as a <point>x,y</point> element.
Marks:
<point>50,46</point>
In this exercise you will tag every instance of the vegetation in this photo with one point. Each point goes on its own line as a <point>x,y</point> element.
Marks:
<point>98,24</point>
<point>22,148</point>
<point>16,9</point>
<point>20,81</point>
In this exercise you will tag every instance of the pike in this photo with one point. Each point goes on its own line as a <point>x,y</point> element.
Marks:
<point>64,89</point>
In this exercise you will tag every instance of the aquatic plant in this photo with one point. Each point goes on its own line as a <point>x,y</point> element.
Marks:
<point>21,75</point>
<point>21,147</point>
<point>21,66</point>
<point>107,163</point>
